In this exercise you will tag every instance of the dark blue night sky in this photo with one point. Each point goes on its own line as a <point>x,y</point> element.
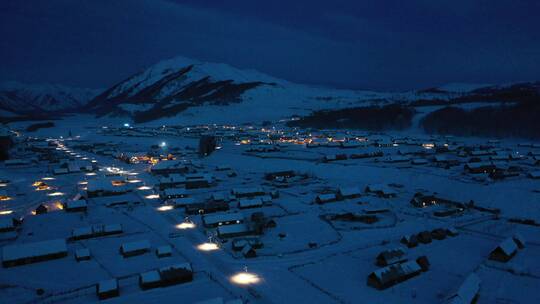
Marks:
<point>384,45</point>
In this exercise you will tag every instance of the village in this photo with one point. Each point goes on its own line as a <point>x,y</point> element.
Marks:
<point>266,214</point>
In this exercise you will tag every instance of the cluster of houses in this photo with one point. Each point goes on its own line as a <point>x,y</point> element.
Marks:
<point>343,193</point>
<point>426,236</point>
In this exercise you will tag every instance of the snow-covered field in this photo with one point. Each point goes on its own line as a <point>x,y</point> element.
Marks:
<point>311,252</point>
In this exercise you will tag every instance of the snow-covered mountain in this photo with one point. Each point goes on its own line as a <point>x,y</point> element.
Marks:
<point>20,98</point>
<point>187,89</point>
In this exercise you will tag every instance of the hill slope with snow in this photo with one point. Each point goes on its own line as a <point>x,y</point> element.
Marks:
<point>19,98</point>
<point>186,89</point>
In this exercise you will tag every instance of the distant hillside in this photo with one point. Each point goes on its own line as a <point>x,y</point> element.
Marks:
<point>18,99</point>
<point>213,91</point>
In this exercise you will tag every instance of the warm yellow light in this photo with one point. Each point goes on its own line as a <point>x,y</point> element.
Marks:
<point>5,198</point>
<point>185,225</point>
<point>55,194</point>
<point>59,206</point>
<point>165,208</point>
<point>245,278</point>
<point>6,212</point>
<point>153,196</point>
<point>208,247</point>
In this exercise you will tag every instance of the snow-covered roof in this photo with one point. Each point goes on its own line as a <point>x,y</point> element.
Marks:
<point>212,219</point>
<point>350,191</point>
<point>107,285</point>
<point>135,246</point>
<point>232,229</point>
<point>165,249</point>
<point>174,191</point>
<point>83,252</point>
<point>29,250</point>
<point>467,291</point>
<point>508,246</point>
<point>150,276</point>
<point>397,270</point>
<point>183,201</point>
<point>250,202</point>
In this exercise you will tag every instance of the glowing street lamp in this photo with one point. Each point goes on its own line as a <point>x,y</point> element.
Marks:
<point>245,278</point>
<point>208,247</point>
<point>165,208</point>
<point>185,225</point>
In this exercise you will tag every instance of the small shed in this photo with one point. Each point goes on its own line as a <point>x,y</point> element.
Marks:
<point>149,279</point>
<point>164,251</point>
<point>391,256</point>
<point>107,289</point>
<point>82,254</point>
<point>505,251</point>
<point>134,248</point>
<point>249,252</point>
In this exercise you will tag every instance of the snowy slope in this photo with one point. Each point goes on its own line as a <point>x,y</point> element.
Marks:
<point>185,88</point>
<point>18,97</point>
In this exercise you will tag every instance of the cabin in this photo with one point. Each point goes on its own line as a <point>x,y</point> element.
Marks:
<point>409,240</point>
<point>381,190</point>
<point>171,193</point>
<point>221,219</point>
<point>198,181</point>
<point>135,248</point>
<point>7,224</point>
<point>107,289</point>
<point>248,252</point>
<point>75,206</point>
<point>95,231</point>
<point>279,175</point>
<point>326,198</point>
<point>239,244</point>
<point>534,175</point>
<point>106,187</point>
<point>26,253</point>
<point>182,202</point>
<point>467,292</point>
<point>248,192</point>
<point>234,230</point>
<point>505,251</point>
<point>480,167</point>
<point>246,203</point>
<point>41,209</point>
<point>438,233</point>
<point>393,274</point>
<point>149,279</point>
<point>164,251</point>
<point>424,237</point>
<point>349,192</point>
<point>208,207</point>
<point>82,254</point>
<point>170,167</point>
<point>391,256</point>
